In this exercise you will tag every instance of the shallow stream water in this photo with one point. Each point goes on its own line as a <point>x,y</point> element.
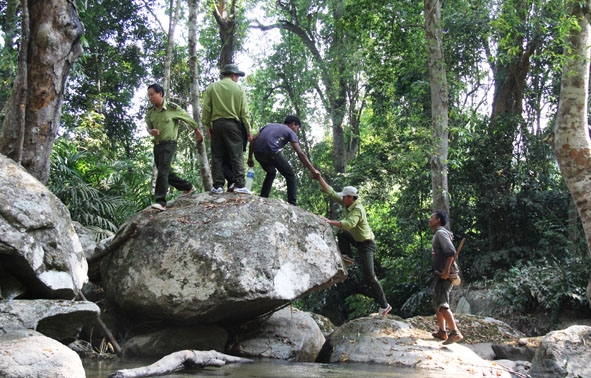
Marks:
<point>273,369</point>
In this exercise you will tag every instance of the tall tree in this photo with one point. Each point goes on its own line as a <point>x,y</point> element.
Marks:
<point>195,93</point>
<point>439,104</point>
<point>571,142</point>
<point>225,13</point>
<point>172,23</point>
<point>517,38</point>
<point>51,32</point>
<point>321,29</point>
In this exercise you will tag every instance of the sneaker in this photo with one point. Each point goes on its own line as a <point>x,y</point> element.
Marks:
<point>454,337</point>
<point>158,206</point>
<point>217,190</point>
<point>242,190</point>
<point>441,335</point>
<point>230,188</point>
<point>384,311</point>
<point>187,192</point>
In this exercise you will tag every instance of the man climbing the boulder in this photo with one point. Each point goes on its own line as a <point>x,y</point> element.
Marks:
<point>267,146</point>
<point>443,262</point>
<point>355,231</point>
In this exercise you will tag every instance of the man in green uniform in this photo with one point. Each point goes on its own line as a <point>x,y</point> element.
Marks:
<point>162,123</point>
<point>355,231</point>
<point>224,107</point>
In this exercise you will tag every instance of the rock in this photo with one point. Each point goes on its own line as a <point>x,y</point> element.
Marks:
<point>395,342</point>
<point>326,326</point>
<point>288,334</point>
<point>167,340</point>
<point>86,237</point>
<point>564,353</point>
<point>39,246</point>
<point>483,350</point>
<point>26,354</point>
<point>522,349</point>
<point>219,258</point>
<point>58,319</point>
<point>517,368</point>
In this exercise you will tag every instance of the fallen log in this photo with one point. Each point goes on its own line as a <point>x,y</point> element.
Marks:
<point>178,361</point>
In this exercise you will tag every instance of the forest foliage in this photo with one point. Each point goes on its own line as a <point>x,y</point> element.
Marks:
<point>356,70</point>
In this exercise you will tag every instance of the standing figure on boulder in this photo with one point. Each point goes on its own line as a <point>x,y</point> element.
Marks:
<point>443,262</point>
<point>162,123</point>
<point>267,146</point>
<point>225,107</point>
<point>355,231</point>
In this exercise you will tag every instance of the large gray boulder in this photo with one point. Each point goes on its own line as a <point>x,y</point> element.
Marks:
<point>288,334</point>
<point>38,244</point>
<point>26,354</point>
<point>564,353</point>
<point>393,341</point>
<point>58,319</point>
<point>218,259</point>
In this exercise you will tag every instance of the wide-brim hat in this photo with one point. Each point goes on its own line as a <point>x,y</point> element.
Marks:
<point>348,191</point>
<point>232,69</point>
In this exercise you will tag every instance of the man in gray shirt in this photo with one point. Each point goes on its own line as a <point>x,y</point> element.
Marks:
<point>267,146</point>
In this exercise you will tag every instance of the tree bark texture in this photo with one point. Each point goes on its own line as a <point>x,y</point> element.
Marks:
<point>204,169</point>
<point>571,143</point>
<point>177,361</point>
<point>439,105</point>
<point>53,46</point>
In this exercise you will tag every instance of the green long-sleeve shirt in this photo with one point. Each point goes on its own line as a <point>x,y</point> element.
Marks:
<point>354,218</point>
<point>166,120</point>
<point>225,99</point>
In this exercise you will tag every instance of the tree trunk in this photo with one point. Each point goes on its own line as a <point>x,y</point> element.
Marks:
<point>439,104</point>
<point>177,361</point>
<point>225,16</point>
<point>174,15</point>
<point>51,43</point>
<point>506,116</point>
<point>571,143</point>
<point>204,170</point>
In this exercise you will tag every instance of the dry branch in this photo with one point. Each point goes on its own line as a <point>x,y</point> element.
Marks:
<point>177,361</point>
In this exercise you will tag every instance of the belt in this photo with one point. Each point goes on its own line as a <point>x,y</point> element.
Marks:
<point>226,120</point>
<point>165,142</point>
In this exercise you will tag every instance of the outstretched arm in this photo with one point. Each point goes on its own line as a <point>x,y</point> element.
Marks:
<point>304,159</point>
<point>323,183</point>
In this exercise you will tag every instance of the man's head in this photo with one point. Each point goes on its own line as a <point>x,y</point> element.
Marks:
<point>438,218</point>
<point>349,194</point>
<point>232,71</point>
<point>156,94</point>
<point>293,122</point>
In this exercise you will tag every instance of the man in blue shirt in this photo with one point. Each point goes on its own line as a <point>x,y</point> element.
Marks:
<point>267,146</point>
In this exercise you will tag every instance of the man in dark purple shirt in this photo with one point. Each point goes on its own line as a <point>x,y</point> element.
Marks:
<point>267,146</point>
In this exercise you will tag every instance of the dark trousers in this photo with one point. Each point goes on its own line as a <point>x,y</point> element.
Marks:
<point>227,162</point>
<point>365,250</point>
<point>226,138</point>
<point>271,163</point>
<point>163,154</point>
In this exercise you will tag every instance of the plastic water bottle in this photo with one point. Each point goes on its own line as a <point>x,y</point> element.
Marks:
<point>249,178</point>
